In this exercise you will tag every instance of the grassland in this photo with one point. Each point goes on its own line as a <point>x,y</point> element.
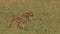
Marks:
<point>45,21</point>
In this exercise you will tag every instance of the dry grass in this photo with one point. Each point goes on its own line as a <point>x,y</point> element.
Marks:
<point>45,20</point>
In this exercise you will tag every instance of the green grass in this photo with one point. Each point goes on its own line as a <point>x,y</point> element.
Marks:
<point>45,21</point>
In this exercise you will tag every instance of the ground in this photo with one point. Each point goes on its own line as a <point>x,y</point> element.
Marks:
<point>46,19</point>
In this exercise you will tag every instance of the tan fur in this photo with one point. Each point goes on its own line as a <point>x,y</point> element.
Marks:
<point>27,14</point>
<point>22,20</point>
